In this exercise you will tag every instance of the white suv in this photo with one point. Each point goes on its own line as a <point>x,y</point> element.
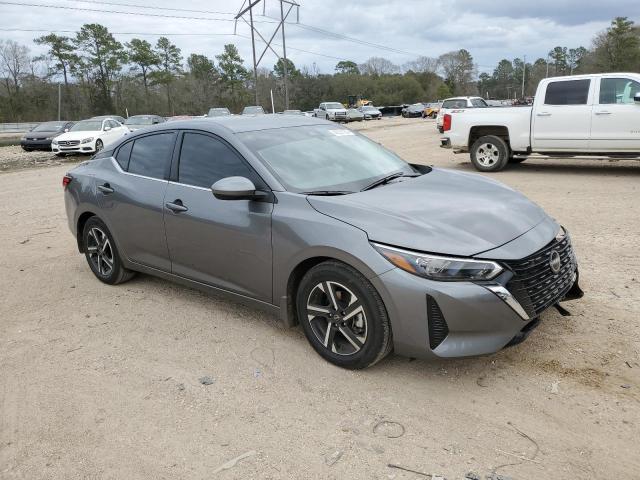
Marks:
<point>457,102</point>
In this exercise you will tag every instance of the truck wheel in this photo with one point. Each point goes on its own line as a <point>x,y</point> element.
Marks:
<point>489,154</point>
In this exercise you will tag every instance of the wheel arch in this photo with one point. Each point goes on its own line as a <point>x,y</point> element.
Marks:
<point>302,266</point>
<point>82,220</point>
<point>500,131</point>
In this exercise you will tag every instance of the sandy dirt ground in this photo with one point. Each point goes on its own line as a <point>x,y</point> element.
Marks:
<point>100,382</point>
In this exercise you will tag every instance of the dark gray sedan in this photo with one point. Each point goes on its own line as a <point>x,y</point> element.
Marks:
<point>327,229</point>
<point>40,136</point>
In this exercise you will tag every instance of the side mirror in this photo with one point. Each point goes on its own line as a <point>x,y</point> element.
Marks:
<point>636,97</point>
<point>106,129</point>
<point>235,188</point>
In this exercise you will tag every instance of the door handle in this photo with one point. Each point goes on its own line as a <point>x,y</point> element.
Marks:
<point>603,112</point>
<point>106,189</point>
<point>176,206</point>
<point>543,114</point>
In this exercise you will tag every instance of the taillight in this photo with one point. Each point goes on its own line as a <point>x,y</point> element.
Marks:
<point>446,123</point>
<point>66,180</point>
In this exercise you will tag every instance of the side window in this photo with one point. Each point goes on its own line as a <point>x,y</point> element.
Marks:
<point>150,155</point>
<point>122,157</point>
<point>568,92</point>
<point>618,90</point>
<point>113,124</point>
<point>204,160</point>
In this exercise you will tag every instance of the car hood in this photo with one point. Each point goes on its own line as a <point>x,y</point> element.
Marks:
<point>442,212</point>
<point>42,133</point>
<point>79,135</point>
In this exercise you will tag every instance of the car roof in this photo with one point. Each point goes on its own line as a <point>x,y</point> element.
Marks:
<point>239,124</point>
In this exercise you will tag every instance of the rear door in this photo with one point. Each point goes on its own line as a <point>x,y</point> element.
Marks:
<point>225,243</point>
<point>132,198</point>
<point>615,126</point>
<point>562,120</point>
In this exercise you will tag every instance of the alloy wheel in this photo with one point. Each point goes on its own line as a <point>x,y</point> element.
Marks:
<point>99,145</point>
<point>487,154</point>
<point>337,318</point>
<point>100,251</point>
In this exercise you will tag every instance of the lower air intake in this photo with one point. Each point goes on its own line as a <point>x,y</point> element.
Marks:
<point>438,329</point>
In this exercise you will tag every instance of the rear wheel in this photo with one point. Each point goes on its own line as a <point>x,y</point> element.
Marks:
<point>101,253</point>
<point>489,153</point>
<point>343,316</point>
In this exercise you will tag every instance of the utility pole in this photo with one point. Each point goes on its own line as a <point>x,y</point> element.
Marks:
<point>284,62</point>
<point>254,31</point>
<point>547,66</point>
<point>59,101</point>
<point>524,71</point>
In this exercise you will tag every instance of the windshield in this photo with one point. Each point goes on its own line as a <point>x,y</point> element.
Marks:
<point>48,127</point>
<point>478,102</point>
<point>333,106</point>
<point>322,157</point>
<point>87,126</point>
<point>252,110</point>
<point>139,121</point>
<point>219,112</point>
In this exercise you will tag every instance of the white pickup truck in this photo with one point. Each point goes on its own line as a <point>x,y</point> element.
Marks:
<point>571,116</point>
<point>331,111</point>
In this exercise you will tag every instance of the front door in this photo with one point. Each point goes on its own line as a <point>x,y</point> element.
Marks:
<point>224,243</point>
<point>616,117</point>
<point>562,120</point>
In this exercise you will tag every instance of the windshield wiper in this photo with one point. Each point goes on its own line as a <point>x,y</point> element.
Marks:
<point>327,193</point>
<point>388,178</point>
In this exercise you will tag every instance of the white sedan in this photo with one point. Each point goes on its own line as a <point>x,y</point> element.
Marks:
<point>88,136</point>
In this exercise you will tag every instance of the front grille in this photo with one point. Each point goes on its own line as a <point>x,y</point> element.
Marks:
<point>535,285</point>
<point>68,143</point>
<point>438,328</point>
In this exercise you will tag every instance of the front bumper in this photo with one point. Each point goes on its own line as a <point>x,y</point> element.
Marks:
<point>41,144</point>
<point>432,319</point>
<point>84,148</point>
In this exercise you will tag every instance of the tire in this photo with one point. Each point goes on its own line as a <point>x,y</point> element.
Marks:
<point>357,339</point>
<point>27,149</point>
<point>101,253</point>
<point>99,145</point>
<point>489,154</point>
<point>517,159</point>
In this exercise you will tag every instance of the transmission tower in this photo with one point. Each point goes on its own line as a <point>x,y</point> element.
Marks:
<point>254,31</point>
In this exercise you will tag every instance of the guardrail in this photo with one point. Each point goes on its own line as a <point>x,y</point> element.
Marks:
<point>16,127</point>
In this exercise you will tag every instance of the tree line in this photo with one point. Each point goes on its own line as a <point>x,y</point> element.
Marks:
<point>98,74</point>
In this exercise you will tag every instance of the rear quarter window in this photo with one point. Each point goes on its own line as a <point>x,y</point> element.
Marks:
<point>567,92</point>
<point>151,154</point>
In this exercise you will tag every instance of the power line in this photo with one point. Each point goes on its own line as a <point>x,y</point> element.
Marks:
<point>271,20</point>
<point>120,12</point>
<point>152,7</point>
<point>167,34</point>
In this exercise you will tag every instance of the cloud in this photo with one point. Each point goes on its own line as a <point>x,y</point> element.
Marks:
<point>488,29</point>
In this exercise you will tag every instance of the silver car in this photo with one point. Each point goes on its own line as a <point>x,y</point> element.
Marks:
<point>327,229</point>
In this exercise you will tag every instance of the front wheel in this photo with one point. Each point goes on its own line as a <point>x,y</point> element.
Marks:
<point>343,316</point>
<point>101,253</point>
<point>99,145</point>
<point>489,153</point>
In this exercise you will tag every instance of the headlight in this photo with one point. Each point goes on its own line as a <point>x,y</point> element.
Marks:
<point>54,142</point>
<point>437,267</point>
<point>87,140</point>
<point>561,234</point>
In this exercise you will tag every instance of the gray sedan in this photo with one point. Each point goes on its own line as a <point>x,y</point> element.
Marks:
<point>327,229</point>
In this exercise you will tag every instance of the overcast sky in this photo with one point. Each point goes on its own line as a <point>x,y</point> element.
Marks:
<point>489,29</point>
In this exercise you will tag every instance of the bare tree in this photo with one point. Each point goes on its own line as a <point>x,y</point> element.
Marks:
<point>422,64</point>
<point>378,66</point>
<point>14,64</point>
<point>459,71</point>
